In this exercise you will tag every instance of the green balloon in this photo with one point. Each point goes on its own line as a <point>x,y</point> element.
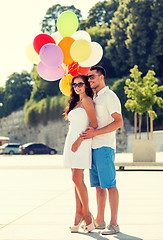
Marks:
<point>67,23</point>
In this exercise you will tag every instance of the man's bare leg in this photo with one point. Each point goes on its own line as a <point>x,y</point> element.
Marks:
<point>114,202</point>
<point>101,196</point>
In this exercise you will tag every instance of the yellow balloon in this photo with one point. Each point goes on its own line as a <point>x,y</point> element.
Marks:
<point>80,50</point>
<point>31,54</point>
<point>65,84</point>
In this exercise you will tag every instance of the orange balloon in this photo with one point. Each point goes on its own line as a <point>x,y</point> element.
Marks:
<point>65,84</point>
<point>65,45</point>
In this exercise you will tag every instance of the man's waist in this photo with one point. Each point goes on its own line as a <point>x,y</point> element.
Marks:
<point>107,139</point>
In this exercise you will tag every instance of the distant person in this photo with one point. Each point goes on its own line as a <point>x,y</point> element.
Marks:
<point>103,173</point>
<point>78,153</point>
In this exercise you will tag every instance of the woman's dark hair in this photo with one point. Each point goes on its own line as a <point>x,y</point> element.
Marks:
<point>74,98</point>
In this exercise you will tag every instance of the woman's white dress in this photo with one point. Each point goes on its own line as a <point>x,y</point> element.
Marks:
<point>82,158</point>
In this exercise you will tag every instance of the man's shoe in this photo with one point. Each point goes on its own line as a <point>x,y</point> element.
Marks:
<point>111,229</point>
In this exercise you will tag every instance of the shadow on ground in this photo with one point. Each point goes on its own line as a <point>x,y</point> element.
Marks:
<point>118,236</point>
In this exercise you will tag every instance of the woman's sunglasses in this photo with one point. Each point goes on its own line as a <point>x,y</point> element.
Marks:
<point>80,84</point>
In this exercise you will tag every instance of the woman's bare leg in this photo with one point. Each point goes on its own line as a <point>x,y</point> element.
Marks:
<point>79,208</point>
<point>81,191</point>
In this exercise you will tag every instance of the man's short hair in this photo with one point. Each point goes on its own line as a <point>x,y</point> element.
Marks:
<point>99,69</point>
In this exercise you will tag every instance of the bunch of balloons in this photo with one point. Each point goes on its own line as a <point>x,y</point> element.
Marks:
<point>64,54</point>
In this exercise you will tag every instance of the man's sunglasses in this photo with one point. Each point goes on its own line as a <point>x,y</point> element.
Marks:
<point>80,84</point>
<point>92,76</point>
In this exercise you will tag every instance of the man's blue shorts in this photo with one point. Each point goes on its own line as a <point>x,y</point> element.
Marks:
<point>103,171</point>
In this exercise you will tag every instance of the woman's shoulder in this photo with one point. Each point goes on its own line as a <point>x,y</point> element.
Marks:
<point>86,100</point>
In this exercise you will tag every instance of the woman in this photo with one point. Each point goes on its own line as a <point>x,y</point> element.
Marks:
<point>77,153</point>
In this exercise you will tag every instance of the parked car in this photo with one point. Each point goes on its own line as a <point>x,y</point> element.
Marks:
<point>10,148</point>
<point>36,148</point>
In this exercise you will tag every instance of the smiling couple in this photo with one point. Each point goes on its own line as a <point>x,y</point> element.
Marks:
<point>90,144</point>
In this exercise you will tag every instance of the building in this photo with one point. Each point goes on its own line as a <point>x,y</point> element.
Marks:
<point>3,140</point>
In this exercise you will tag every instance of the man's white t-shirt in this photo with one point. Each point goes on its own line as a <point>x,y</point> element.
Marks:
<point>106,103</point>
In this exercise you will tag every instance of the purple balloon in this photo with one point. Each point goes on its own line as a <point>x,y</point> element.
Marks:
<point>51,55</point>
<point>50,74</point>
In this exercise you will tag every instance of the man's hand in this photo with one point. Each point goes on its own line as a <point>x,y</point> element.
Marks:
<point>89,133</point>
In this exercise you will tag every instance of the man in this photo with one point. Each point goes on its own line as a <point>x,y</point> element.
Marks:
<point>103,173</point>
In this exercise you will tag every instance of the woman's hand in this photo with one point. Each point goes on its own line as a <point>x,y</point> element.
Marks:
<point>76,144</point>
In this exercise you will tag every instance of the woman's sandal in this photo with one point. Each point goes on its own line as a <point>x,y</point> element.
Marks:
<point>75,228</point>
<point>91,226</point>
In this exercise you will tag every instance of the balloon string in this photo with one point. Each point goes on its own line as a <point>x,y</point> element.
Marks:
<point>68,82</point>
<point>74,66</point>
<point>66,69</point>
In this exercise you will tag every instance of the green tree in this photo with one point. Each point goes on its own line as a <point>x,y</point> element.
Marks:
<point>2,93</point>
<point>139,34</point>
<point>98,26</point>
<point>17,89</point>
<point>50,108</point>
<point>118,88</point>
<point>100,13</point>
<point>49,23</point>
<point>155,59</point>
<point>116,51</point>
<point>136,36</point>
<point>141,94</point>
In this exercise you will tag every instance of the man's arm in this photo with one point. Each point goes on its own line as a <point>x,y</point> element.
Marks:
<point>117,123</point>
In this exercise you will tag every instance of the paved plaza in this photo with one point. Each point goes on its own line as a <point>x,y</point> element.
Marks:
<point>37,201</point>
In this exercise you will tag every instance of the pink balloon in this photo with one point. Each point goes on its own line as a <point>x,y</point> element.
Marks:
<point>51,55</point>
<point>50,74</point>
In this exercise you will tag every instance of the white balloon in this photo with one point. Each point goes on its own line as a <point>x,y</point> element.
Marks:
<point>57,37</point>
<point>95,56</point>
<point>81,34</point>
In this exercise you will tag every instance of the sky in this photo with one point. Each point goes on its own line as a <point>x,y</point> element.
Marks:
<point>20,24</point>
